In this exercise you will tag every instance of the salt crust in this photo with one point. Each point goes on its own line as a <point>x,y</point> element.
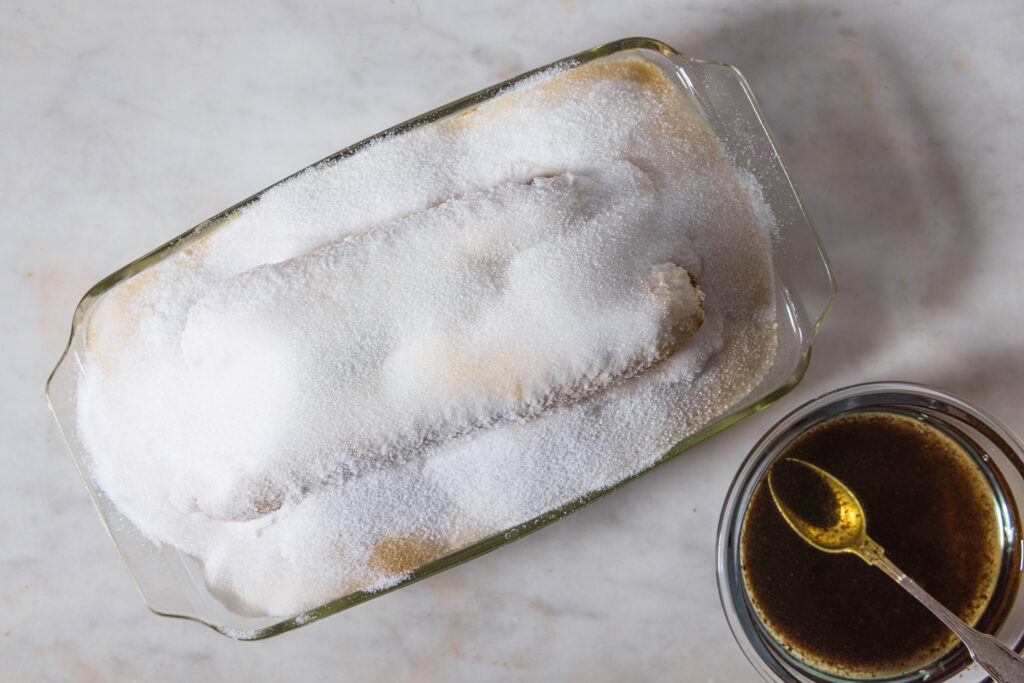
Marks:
<point>453,331</point>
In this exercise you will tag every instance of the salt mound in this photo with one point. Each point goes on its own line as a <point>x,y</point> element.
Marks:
<point>444,335</point>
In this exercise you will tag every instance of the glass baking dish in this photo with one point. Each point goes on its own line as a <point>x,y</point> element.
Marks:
<point>172,584</point>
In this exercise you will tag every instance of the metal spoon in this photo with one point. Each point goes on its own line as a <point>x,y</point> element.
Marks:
<point>847,533</point>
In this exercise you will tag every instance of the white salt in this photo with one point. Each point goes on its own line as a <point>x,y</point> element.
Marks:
<point>457,329</point>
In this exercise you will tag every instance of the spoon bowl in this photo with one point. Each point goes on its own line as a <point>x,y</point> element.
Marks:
<point>846,533</point>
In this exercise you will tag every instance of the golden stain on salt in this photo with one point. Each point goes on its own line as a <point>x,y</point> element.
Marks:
<point>400,554</point>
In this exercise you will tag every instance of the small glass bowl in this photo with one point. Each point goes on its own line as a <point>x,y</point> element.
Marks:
<point>999,455</point>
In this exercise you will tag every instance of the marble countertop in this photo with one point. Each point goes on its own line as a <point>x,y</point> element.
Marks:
<point>124,124</point>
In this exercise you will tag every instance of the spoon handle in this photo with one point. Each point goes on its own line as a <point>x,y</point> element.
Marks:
<point>1001,663</point>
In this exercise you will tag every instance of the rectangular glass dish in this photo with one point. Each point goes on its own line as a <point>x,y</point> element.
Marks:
<point>172,583</point>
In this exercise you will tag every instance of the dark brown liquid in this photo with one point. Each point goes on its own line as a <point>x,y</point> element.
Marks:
<point>926,502</point>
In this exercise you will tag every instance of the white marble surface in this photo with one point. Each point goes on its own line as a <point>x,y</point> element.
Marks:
<point>122,124</point>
